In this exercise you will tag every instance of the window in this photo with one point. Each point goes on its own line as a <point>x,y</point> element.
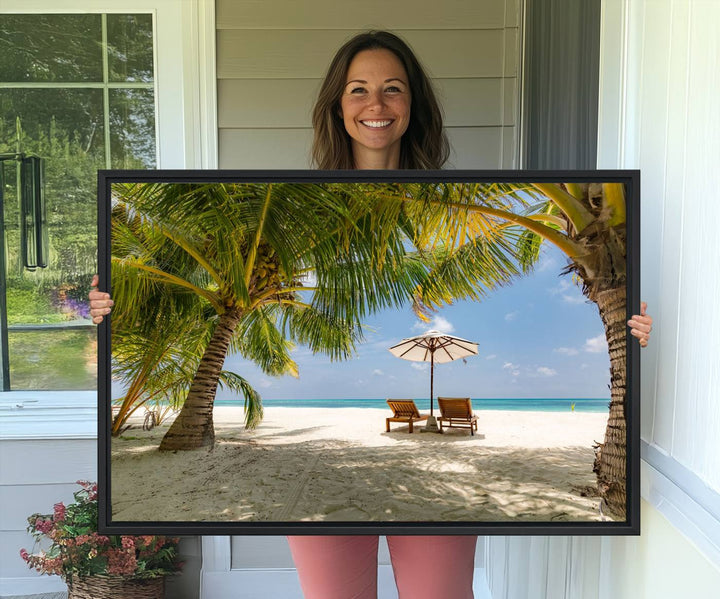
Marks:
<point>77,90</point>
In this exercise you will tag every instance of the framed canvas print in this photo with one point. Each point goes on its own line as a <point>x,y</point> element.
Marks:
<point>385,352</point>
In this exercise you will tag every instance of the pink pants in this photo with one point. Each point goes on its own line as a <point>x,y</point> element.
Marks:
<point>337,567</point>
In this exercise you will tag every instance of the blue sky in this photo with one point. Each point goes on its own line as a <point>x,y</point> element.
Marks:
<point>538,337</point>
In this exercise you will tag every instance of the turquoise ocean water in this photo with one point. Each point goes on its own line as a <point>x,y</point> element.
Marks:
<point>529,405</point>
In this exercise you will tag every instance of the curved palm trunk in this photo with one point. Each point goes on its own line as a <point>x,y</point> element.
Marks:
<point>193,428</point>
<point>610,460</point>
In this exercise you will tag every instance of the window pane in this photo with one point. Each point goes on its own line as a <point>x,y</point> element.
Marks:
<point>50,48</point>
<point>52,344</point>
<point>132,128</point>
<point>65,127</point>
<point>52,119</point>
<point>53,359</point>
<point>130,44</point>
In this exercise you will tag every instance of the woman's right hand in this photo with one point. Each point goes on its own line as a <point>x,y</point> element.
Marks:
<point>100,302</point>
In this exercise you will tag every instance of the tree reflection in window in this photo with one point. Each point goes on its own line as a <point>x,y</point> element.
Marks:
<point>77,90</point>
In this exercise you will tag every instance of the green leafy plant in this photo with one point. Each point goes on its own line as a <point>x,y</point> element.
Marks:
<point>77,550</point>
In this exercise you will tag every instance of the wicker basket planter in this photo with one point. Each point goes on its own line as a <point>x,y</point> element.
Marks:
<point>116,587</point>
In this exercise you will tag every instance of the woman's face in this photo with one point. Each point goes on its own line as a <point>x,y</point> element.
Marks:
<point>375,107</point>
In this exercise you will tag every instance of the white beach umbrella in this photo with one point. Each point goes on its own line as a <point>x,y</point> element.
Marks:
<point>434,347</point>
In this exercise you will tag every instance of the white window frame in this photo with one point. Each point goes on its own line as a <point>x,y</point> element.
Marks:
<point>186,130</point>
<point>184,35</point>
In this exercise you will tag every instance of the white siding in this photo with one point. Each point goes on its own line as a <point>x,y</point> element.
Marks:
<point>271,60</point>
<point>39,466</point>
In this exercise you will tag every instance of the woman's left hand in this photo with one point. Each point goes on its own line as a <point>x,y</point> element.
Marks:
<point>641,325</point>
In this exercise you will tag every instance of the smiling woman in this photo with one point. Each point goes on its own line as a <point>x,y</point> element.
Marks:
<point>375,78</point>
<point>375,108</point>
<point>396,123</point>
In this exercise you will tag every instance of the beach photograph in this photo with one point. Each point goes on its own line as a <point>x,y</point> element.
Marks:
<point>347,352</point>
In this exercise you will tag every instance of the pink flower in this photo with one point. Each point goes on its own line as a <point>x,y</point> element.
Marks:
<point>59,512</point>
<point>128,542</point>
<point>53,565</point>
<point>121,562</point>
<point>24,555</point>
<point>43,526</point>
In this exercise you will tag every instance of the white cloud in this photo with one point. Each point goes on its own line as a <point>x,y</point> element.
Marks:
<point>545,371</point>
<point>596,345</point>
<point>546,262</point>
<point>438,323</point>
<point>419,366</point>
<point>561,287</point>
<point>378,372</point>
<point>264,383</point>
<point>513,368</point>
<point>569,291</point>
<point>568,351</point>
<point>491,357</point>
<point>512,315</point>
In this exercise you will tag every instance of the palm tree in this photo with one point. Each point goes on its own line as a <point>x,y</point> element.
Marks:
<point>588,223</point>
<point>248,252</point>
<point>352,240</point>
<point>156,349</point>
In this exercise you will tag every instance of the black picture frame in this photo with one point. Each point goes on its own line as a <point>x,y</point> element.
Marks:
<point>631,526</point>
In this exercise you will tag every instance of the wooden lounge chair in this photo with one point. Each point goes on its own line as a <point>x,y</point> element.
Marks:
<point>457,411</point>
<point>404,410</point>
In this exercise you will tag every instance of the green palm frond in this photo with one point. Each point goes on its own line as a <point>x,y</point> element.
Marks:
<point>322,332</point>
<point>252,401</point>
<point>260,340</point>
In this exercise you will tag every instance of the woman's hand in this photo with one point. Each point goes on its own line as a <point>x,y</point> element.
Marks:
<point>641,325</point>
<point>100,302</point>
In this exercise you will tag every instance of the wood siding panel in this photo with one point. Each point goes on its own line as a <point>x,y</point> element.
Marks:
<point>35,475</point>
<point>513,13</point>
<point>471,148</point>
<point>51,461</point>
<point>510,101</point>
<point>370,14</point>
<point>472,102</point>
<point>270,54</point>
<point>511,41</point>
<point>11,564</point>
<point>288,103</point>
<point>475,147</point>
<point>19,501</point>
<point>266,103</point>
<point>510,148</point>
<point>265,148</point>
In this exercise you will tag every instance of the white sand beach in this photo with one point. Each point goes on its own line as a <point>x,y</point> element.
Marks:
<point>339,464</point>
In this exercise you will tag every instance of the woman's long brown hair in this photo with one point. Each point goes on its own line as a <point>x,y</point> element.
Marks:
<point>424,144</point>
